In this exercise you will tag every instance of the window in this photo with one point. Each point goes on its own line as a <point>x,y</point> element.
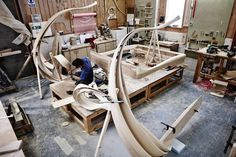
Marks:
<point>173,9</point>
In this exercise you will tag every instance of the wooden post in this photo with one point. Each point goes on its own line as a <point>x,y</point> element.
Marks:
<point>24,66</point>
<point>221,66</point>
<point>198,68</point>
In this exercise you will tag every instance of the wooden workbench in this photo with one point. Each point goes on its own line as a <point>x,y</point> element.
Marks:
<point>169,45</point>
<point>7,134</point>
<point>139,91</point>
<point>222,56</point>
<point>83,50</point>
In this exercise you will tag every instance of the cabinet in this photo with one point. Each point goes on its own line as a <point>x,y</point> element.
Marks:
<point>77,51</point>
<point>83,50</point>
<point>105,45</point>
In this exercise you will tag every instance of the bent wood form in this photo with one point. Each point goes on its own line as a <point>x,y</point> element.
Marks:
<point>141,70</point>
<point>46,69</point>
<point>139,140</point>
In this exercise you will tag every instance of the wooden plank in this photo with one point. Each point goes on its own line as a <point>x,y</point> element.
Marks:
<point>11,147</point>
<point>27,9</point>
<point>102,12</point>
<point>63,102</point>
<point>5,54</point>
<point>46,9</point>
<point>7,133</point>
<point>23,12</point>
<point>50,7</point>
<point>98,13</point>
<point>42,11</point>
<point>6,50</point>
<point>54,6</point>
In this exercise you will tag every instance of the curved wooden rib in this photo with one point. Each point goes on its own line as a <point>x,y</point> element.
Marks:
<point>139,140</point>
<point>46,68</point>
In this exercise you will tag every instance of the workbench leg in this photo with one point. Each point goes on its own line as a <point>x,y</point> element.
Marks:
<point>38,77</point>
<point>198,68</point>
<point>221,67</point>
<point>104,129</point>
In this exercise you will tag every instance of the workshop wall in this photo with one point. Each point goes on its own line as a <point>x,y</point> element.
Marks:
<point>12,64</point>
<point>47,8</point>
<point>232,23</point>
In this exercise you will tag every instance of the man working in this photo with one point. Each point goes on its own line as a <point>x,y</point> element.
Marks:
<point>86,73</point>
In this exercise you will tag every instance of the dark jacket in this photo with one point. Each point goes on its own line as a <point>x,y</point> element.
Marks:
<point>86,75</point>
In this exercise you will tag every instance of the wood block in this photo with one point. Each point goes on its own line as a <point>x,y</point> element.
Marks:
<point>112,23</point>
<point>11,147</point>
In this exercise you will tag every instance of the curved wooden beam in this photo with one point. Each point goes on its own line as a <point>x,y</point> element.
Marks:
<point>44,66</point>
<point>138,139</point>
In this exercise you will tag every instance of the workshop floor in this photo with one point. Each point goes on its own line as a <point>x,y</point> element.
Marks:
<point>204,136</point>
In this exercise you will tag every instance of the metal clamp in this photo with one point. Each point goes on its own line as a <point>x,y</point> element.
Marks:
<point>168,126</point>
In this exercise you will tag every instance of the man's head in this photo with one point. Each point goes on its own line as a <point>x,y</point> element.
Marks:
<point>78,63</point>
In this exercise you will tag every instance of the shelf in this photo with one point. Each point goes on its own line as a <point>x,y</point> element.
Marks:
<point>209,76</point>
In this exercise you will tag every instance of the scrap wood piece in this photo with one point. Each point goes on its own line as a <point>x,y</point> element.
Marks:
<point>231,73</point>
<point>63,61</point>
<point>63,102</point>
<point>11,147</point>
<point>219,88</point>
<point>10,53</point>
<point>80,140</point>
<point>6,50</point>
<point>64,145</point>
<point>16,112</point>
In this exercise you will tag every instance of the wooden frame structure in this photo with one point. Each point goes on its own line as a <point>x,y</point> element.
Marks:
<point>139,140</point>
<point>139,91</point>
<point>168,58</point>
